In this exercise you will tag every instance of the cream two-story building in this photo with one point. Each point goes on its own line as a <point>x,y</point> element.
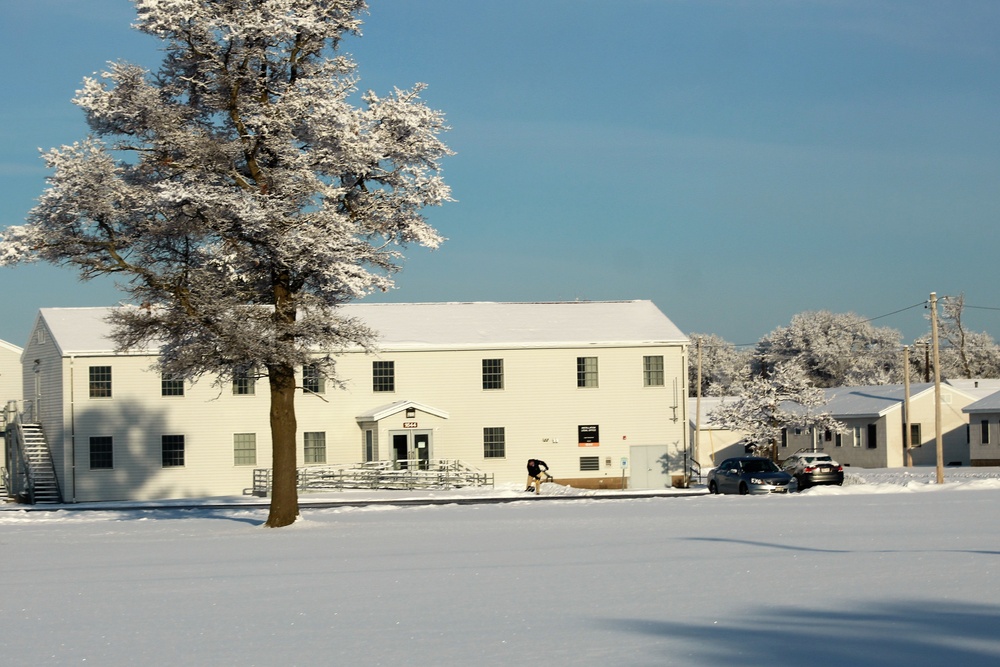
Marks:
<point>596,389</point>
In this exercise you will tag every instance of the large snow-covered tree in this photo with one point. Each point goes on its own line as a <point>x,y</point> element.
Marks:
<point>965,354</point>
<point>722,364</point>
<point>242,193</point>
<point>834,349</point>
<point>766,405</point>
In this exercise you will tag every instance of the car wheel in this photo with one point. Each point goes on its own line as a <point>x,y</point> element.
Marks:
<point>743,489</point>
<point>712,488</point>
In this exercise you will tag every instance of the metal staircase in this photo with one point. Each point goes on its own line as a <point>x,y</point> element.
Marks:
<point>33,475</point>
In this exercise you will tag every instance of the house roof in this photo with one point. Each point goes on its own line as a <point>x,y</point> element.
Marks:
<point>384,411</point>
<point>989,404</point>
<point>10,347</point>
<point>976,387</point>
<point>469,325</point>
<point>869,401</point>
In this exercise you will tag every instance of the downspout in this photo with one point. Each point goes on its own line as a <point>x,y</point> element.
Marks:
<point>72,429</point>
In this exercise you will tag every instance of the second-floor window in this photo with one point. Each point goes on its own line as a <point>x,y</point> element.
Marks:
<point>100,381</point>
<point>244,384</point>
<point>492,373</point>
<point>312,380</point>
<point>652,371</point>
<point>586,371</point>
<point>171,386</point>
<point>383,376</point>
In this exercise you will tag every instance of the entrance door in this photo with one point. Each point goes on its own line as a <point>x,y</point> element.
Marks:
<point>411,449</point>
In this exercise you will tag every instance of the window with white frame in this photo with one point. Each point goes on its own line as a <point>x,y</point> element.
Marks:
<point>172,447</point>
<point>383,376</point>
<point>494,442</point>
<point>857,436</point>
<point>314,447</point>
<point>313,381</point>
<point>244,383</point>
<point>171,386</point>
<point>245,449</point>
<point>984,432</point>
<point>101,453</point>
<point>586,371</point>
<point>652,371</point>
<point>371,446</point>
<point>100,381</point>
<point>492,373</point>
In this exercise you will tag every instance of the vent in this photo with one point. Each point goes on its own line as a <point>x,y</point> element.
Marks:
<point>590,463</point>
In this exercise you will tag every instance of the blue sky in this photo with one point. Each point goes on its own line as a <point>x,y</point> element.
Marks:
<point>736,162</point>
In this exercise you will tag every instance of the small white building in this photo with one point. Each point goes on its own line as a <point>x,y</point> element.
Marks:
<point>596,389</point>
<point>875,419</point>
<point>984,430</point>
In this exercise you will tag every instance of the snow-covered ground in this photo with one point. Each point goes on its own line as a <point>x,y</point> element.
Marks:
<point>890,569</point>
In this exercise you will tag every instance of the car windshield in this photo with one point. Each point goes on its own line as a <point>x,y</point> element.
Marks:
<point>762,465</point>
<point>819,458</point>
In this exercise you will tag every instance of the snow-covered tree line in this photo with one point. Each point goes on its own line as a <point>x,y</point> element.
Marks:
<point>844,350</point>
<point>778,382</point>
<point>242,193</point>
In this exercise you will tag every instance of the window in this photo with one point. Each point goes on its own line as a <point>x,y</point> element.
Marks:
<point>371,447</point>
<point>245,449</point>
<point>872,436</point>
<point>914,435</point>
<point>101,453</point>
<point>383,376</point>
<point>171,386</point>
<point>244,384</point>
<point>652,371</point>
<point>494,442</point>
<point>492,373</point>
<point>827,435</point>
<point>784,437</point>
<point>590,463</point>
<point>838,440</point>
<point>586,371</point>
<point>173,450</point>
<point>857,436</point>
<point>315,447</point>
<point>313,381</point>
<point>100,381</point>
<point>984,432</point>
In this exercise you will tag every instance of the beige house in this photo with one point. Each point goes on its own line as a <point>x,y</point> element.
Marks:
<point>984,430</point>
<point>875,419</point>
<point>10,390</point>
<point>596,389</point>
<point>10,372</point>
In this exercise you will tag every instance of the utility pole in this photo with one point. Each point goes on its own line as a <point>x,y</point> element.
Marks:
<point>938,442</point>
<point>907,435</point>
<point>697,411</point>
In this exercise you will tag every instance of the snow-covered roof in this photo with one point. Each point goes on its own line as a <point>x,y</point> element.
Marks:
<point>874,400</point>
<point>989,404</point>
<point>708,403</point>
<point>868,401</point>
<point>10,347</point>
<point>976,387</point>
<point>468,325</point>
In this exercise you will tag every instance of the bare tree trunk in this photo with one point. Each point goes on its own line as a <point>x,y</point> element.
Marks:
<point>284,493</point>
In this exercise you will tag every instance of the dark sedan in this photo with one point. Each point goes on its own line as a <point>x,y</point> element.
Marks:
<point>750,475</point>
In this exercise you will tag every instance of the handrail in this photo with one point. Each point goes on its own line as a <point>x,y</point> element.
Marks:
<point>401,474</point>
<point>15,432</point>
